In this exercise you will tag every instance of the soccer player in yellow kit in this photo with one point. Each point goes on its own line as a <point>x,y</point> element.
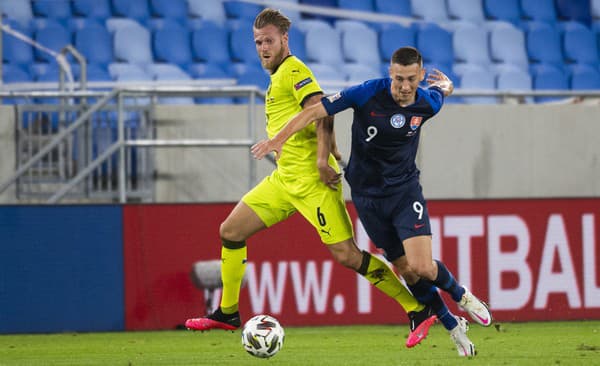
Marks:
<point>296,186</point>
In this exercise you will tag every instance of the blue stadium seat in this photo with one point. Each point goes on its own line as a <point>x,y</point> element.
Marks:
<point>14,50</point>
<point>57,9</point>
<point>507,45</point>
<point>549,77</point>
<point>544,43</point>
<point>17,10</point>
<point>394,36</point>
<point>360,5</point>
<point>326,73</point>
<point>95,44</point>
<point>177,9</point>
<point>114,24</point>
<point>209,71</point>
<point>575,10</point>
<point>539,10</point>
<point>253,77</point>
<point>169,72</point>
<point>435,44</point>
<point>132,44</point>
<point>357,73</point>
<point>355,33</point>
<point>241,44</point>
<point>394,7</point>
<point>305,25</point>
<point>99,9</point>
<point>297,42</point>
<point>470,44</point>
<point>506,10</point>
<point>238,68</point>
<point>172,44</point>
<point>54,36</point>
<point>294,15</point>
<point>579,44</point>
<point>15,74</point>
<point>430,10</point>
<point>210,43</point>
<point>133,9</point>
<point>513,78</point>
<point>96,72</point>
<point>323,45</point>
<point>122,71</point>
<point>211,10</point>
<point>585,77</point>
<point>469,10</point>
<point>75,24</point>
<point>44,71</point>
<point>240,10</point>
<point>325,3</point>
<point>595,9</point>
<point>478,78</point>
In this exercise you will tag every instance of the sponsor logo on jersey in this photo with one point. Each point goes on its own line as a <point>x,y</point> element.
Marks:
<point>334,97</point>
<point>302,83</point>
<point>415,122</point>
<point>398,120</point>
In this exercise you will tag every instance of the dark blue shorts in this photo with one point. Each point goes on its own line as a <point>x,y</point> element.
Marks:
<point>392,219</point>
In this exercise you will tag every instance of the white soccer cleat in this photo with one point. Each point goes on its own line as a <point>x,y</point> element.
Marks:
<point>464,346</point>
<point>477,309</point>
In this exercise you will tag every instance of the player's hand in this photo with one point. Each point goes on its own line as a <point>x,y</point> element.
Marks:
<point>264,147</point>
<point>329,176</point>
<point>439,79</point>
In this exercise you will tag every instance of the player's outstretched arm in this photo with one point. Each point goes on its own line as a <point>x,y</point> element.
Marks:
<point>301,120</point>
<point>439,79</point>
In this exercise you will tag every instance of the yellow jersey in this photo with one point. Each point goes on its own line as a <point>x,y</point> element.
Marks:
<point>291,84</point>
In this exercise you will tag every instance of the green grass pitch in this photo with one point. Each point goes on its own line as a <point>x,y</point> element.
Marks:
<point>536,343</point>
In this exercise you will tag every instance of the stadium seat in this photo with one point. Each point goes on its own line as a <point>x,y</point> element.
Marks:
<point>210,10</point>
<point>584,77</point>
<point>513,78</point>
<point>326,73</point>
<point>169,72</point>
<point>305,25</point>
<point>15,74</point>
<point>579,44</point>
<point>114,24</point>
<point>506,10</point>
<point>544,44</point>
<point>240,10</point>
<point>17,10</point>
<point>297,42</point>
<point>176,9</point>
<point>357,73</point>
<point>549,77</point>
<point>253,77</point>
<point>238,68</point>
<point>75,24</point>
<point>430,10</point>
<point>241,43</point>
<point>45,71</point>
<point>469,10</point>
<point>133,9</point>
<point>392,37</point>
<point>123,71</point>
<point>595,10</point>
<point>209,71</point>
<point>99,9</point>
<point>14,50</point>
<point>54,36</point>
<point>56,9</point>
<point>507,45</point>
<point>172,44</point>
<point>539,10</point>
<point>210,43</point>
<point>478,78</point>
<point>325,3</point>
<point>470,44</point>
<point>132,44</point>
<point>435,44</point>
<point>574,10</point>
<point>394,7</point>
<point>95,44</point>
<point>323,45</point>
<point>360,5</point>
<point>357,33</point>
<point>95,72</point>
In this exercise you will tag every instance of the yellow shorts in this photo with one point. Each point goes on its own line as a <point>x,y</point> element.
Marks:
<point>274,200</point>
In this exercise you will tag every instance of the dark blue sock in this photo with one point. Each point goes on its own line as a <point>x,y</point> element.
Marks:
<point>427,294</point>
<point>446,282</point>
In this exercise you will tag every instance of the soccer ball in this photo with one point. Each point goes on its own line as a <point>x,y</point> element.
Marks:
<point>262,336</point>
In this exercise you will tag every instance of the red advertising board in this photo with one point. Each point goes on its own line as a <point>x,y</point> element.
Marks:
<point>529,259</point>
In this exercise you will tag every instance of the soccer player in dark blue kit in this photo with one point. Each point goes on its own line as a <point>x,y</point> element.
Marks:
<point>384,179</point>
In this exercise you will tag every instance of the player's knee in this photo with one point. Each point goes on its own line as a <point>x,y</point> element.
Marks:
<point>423,269</point>
<point>228,232</point>
<point>348,258</point>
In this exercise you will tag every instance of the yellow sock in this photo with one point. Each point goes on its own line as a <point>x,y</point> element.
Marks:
<point>233,266</point>
<point>382,277</point>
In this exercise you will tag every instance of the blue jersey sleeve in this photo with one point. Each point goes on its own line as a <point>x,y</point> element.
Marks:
<point>351,97</point>
<point>435,97</point>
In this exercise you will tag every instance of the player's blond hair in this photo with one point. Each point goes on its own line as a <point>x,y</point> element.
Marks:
<point>272,16</point>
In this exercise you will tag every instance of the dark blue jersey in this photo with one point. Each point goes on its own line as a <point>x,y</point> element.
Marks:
<point>385,136</point>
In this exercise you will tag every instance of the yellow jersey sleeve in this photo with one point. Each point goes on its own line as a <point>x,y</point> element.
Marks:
<point>290,85</point>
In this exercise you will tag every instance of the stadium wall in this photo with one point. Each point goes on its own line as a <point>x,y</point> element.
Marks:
<point>110,267</point>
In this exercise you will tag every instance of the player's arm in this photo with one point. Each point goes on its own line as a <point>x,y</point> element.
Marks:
<point>304,118</point>
<point>439,79</point>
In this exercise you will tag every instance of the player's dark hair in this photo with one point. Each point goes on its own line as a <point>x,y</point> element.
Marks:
<point>272,16</point>
<point>407,56</point>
